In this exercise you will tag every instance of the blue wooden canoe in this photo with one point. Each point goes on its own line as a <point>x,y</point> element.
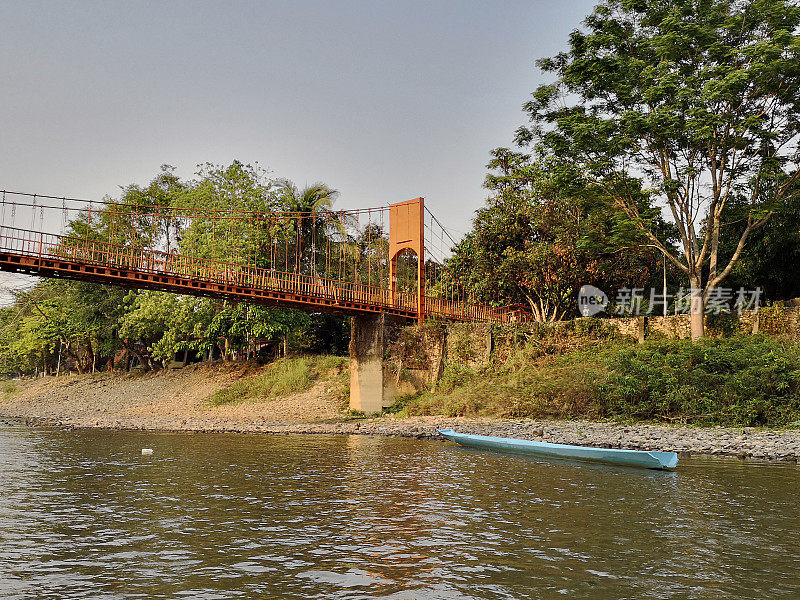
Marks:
<point>631,458</point>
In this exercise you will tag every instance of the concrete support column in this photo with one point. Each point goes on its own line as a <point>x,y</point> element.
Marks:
<point>367,344</point>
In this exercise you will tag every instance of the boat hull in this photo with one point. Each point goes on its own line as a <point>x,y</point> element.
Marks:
<point>630,458</point>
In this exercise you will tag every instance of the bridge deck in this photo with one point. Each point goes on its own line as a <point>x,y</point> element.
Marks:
<point>56,256</point>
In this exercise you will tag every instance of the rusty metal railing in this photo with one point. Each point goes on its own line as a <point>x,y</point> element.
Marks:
<point>87,252</point>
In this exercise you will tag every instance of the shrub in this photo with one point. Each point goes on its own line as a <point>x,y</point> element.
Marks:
<point>537,380</point>
<point>739,381</point>
<point>744,380</point>
<point>454,376</point>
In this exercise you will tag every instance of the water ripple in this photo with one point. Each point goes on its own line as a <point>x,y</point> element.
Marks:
<point>84,515</point>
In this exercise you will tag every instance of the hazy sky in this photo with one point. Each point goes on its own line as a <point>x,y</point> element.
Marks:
<point>385,101</point>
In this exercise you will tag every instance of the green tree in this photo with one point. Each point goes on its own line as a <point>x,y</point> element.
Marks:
<point>166,324</point>
<point>316,220</point>
<point>237,199</point>
<point>542,235</point>
<point>150,222</point>
<point>366,256</point>
<point>78,318</point>
<point>24,345</point>
<point>699,99</point>
<point>141,217</point>
<point>772,255</point>
<point>239,324</point>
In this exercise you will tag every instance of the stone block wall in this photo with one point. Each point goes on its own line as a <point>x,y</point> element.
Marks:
<point>414,358</point>
<point>416,355</point>
<point>781,319</point>
<point>469,344</point>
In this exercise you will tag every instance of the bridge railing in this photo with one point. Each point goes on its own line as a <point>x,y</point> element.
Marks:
<point>465,311</point>
<point>187,268</point>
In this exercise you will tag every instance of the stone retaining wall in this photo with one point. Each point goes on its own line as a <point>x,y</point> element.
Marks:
<point>416,355</point>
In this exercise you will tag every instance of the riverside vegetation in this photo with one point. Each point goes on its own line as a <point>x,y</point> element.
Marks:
<point>739,381</point>
<point>288,376</point>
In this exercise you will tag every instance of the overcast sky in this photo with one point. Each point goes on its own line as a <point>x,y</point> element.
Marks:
<point>384,101</point>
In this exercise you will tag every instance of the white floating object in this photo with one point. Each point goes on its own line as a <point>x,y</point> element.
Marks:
<point>147,451</point>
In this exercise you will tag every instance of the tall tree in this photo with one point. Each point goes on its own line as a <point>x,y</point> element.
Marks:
<point>313,204</point>
<point>224,192</point>
<point>698,98</point>
<point>542,235</point>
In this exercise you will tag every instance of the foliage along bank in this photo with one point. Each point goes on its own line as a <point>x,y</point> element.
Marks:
<point>61,325</point>
<point>586,369</point>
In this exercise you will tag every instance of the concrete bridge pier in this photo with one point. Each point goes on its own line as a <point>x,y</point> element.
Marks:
<point>368,337</point>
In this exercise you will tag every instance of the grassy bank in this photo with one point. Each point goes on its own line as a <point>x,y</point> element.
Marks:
<point>739,381</point>
<point>7,388</point>
<point>285,377</point>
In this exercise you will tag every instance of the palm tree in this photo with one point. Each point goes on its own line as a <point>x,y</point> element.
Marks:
<point>313,204</point>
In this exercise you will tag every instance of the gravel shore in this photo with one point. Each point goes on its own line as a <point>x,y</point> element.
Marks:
<point>176,401</point>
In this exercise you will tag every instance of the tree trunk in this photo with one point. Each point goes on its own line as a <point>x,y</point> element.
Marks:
<point>130,352</point>
<point>697,309</point>
<point>75,358</point>
<point>143,362</point>
<point>90,356</point>
<point>713,255</point>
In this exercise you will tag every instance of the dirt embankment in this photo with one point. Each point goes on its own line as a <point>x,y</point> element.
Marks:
<point>169,399</point>
<point>178,400</point>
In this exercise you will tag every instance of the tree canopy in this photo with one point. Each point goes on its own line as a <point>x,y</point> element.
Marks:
<point>696,102</point>
<point>543,234</point>
<point>90,325</point>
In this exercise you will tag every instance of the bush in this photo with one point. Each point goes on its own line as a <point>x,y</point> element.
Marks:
<point>744,380</point>
<point>454,376</point>
<point>737,381</point>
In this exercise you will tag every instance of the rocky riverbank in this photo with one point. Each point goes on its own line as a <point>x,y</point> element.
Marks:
<point>177,401</point>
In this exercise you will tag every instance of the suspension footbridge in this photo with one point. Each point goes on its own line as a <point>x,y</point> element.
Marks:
<point>382,266</point>
<point>378,260</point>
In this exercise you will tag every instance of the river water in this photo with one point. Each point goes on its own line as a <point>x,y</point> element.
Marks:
<point>84,515</point>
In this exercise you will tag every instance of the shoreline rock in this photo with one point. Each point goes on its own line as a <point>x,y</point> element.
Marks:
<point>750,443</point>
<point>178,401</point>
